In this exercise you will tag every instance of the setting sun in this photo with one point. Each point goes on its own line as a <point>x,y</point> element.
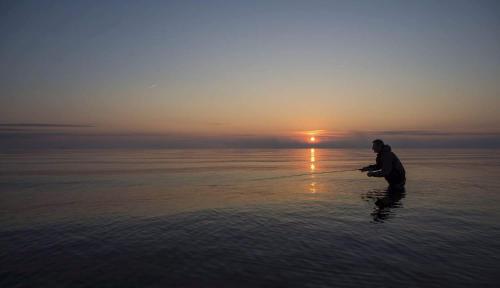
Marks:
<point>312,139</point>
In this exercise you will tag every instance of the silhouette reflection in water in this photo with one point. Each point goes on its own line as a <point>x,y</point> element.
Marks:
<point>386,201</point>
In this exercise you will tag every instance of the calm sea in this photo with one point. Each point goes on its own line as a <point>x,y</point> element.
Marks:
<point>237,218</point>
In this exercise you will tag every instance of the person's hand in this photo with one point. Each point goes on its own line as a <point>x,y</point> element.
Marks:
<point>370,174</point>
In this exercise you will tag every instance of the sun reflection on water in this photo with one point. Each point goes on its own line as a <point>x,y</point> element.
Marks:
<point>312,187</point>
<point>312,166</point>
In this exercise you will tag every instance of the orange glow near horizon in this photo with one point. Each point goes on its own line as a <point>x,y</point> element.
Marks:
<point>313,135</point>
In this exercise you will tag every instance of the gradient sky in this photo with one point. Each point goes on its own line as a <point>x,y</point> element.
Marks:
<point>252,67</point>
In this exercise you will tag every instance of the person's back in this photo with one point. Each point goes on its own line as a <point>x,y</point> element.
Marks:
<point>387,165</point>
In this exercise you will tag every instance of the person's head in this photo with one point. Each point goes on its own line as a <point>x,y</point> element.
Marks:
<point>378,145</point>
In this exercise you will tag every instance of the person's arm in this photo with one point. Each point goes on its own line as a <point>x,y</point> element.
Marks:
<point>369,168</point>
<point>386,168</point>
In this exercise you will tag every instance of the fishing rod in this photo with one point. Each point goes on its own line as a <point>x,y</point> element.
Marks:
<point>305,174</point>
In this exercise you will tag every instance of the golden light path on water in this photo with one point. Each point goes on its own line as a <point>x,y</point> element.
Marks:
<point>312,159</point>
<point>312,186</point>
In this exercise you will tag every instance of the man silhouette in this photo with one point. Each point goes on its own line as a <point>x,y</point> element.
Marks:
<point>387,166</point>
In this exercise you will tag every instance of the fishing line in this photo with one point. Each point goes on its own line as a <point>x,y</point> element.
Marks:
<point>303,174</point>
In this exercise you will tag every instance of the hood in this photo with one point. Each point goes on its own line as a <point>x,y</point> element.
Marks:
<point>386,148</point>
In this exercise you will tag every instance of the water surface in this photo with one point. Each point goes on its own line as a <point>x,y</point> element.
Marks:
<point>234,218</point>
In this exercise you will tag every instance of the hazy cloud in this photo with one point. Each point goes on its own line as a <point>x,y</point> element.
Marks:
<point>433,133</point>
<point>46,125</point>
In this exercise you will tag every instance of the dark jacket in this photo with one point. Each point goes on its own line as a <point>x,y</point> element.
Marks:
<point>389,167</point>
